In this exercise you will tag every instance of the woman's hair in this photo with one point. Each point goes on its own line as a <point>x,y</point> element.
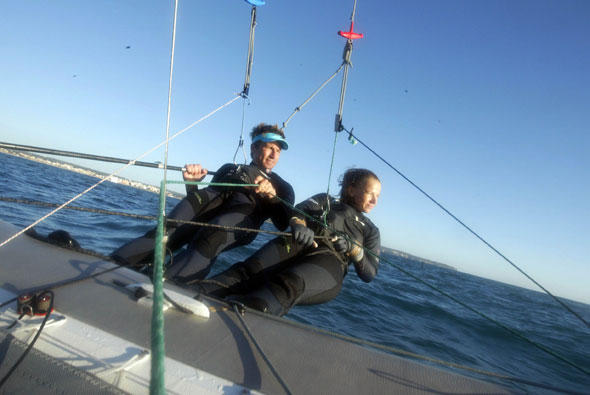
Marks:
<point>354,178</point>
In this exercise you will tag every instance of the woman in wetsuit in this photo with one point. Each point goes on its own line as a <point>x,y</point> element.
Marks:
<point>288,271</point>
<point>244,207</point>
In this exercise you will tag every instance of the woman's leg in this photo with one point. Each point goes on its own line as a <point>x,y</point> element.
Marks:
<point>310,279</point>
<point>243,276</point>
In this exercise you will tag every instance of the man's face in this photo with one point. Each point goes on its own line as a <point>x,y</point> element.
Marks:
<point>265,155</point>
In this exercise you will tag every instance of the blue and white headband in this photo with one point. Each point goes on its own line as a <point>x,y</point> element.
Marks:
<point>272,137</point>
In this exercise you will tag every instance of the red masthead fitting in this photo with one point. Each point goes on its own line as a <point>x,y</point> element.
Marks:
<point>351,35</point>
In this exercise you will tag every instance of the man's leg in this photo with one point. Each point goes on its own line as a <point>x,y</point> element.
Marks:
<point>141,250</point>
<point>195,262</point>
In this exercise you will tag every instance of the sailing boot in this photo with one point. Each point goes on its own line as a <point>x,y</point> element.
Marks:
<point>234,280</point>
<point>262,300</point>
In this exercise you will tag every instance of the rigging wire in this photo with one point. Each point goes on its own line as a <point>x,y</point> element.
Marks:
<point>241,142</point>
<point>173,46</point>
<point>106,178</point>
<point>346,61</point>
<point>327,210</point>
<point>433,287</point>
<point>563,304</point>
<point>149,217</point>
<point>338,121</point>
<point>298,108</point>
<point>157,380</point>
<point>246,89</point>
<point>350,36</point>
<point>250,58</point>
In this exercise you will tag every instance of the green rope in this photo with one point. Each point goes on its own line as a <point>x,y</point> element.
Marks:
<point>215,184</point>
<point>157,385</point>
<point>325,213</point>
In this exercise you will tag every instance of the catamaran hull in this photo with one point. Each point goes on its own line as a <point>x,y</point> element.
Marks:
<point>98,339</point>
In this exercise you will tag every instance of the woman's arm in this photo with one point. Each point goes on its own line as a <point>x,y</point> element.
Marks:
<point>366,262</point>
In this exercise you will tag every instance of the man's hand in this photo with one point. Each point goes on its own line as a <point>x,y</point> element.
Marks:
<point>265,188</point>
<point>194,172</point>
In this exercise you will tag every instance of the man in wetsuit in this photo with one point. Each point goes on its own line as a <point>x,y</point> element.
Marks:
<point>245,207</point>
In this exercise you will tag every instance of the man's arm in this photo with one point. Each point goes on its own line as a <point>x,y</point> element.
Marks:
<point>280,212</point>
<point>193,172</point>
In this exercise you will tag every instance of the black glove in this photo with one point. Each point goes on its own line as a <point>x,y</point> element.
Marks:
<point>342,245</point>
<point>302,234</point>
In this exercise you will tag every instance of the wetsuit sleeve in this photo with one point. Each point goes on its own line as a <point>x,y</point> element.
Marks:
<point>313,206</point>
<point>222,170</point>
<point>367,267</point>
<point>280,213</point>
<point>191,188</point>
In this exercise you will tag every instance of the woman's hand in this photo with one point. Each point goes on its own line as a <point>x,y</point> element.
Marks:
<point>346,247</point>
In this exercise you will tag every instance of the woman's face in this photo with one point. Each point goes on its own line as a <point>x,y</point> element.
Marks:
<point>365,198</point>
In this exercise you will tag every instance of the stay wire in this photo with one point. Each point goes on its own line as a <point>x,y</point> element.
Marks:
<point>298,108</point>
<point>168,109</point>
<point>327,210</point>
<point>347,53</point>
<point>250,58</point>
<point>106,178</point>
<point>512,331</point>
<point>469,229</point>
<point>241,141</point>
<point>353,11</point>
<point>246,89</point>
<point>157,376</point>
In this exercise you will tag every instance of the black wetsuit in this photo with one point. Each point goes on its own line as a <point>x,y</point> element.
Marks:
<point>226,206</point>
<point>282,273</point>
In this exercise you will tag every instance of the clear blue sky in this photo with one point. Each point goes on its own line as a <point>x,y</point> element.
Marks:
<point>485,105</point>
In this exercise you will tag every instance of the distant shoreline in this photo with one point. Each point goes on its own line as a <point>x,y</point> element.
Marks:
<point>416,258</point>
<point>89,172</point>
<point>151,188</point>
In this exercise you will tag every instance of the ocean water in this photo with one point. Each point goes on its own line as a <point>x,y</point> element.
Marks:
<point>394,310</point>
